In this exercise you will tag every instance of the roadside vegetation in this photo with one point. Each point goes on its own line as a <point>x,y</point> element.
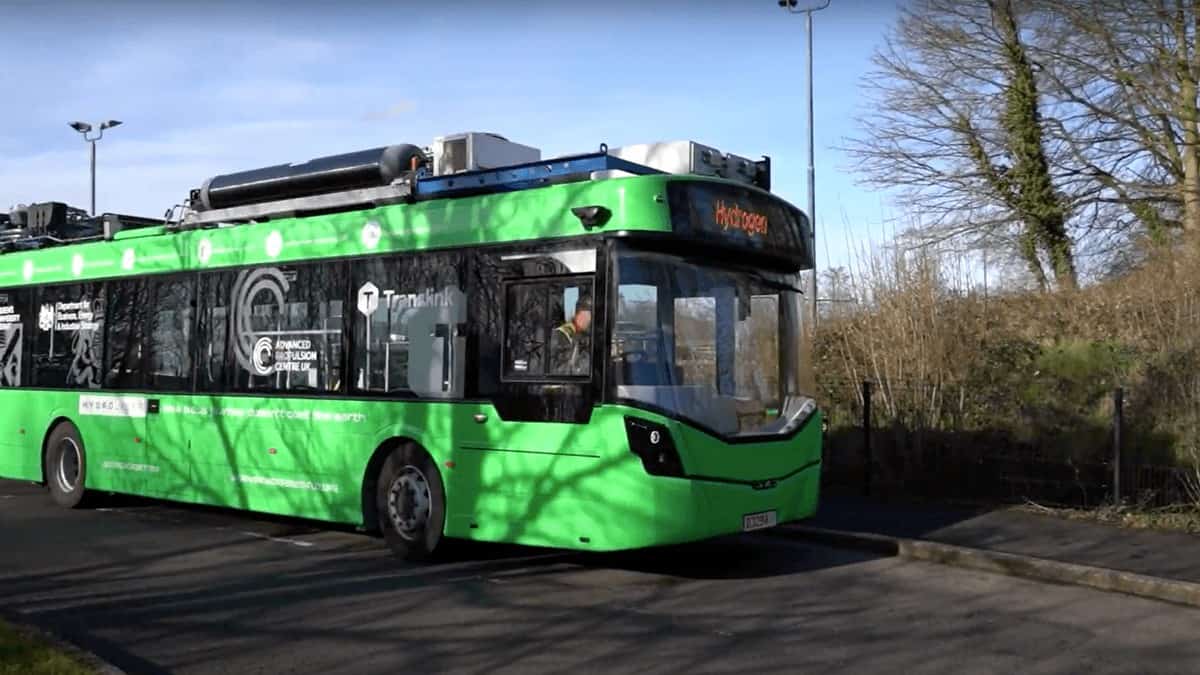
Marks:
<point>24,654</point>
<point>1046,154</point>
<point>945,356</point>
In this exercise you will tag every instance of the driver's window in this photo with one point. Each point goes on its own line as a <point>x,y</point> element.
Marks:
<point>548,329</point>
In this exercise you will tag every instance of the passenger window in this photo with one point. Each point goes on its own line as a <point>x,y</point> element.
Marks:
<point>410,326</point>
<point>212,330</point>
<point>70,336</point>
<point>129,310</point>
<point>14,322</point>
<point>485,336</point>
<point>169,344</point>
<point>287,328</point>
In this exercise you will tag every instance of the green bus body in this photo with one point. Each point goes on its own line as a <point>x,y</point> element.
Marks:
<point>558,484</point>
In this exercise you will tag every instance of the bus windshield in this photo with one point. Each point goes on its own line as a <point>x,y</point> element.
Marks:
<point>710,343</point>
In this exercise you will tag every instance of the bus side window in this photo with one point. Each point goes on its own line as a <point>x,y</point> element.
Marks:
<point>212,331</point>
<point>486,324</point>
<point>16,323</point>
<point>286,328</point>
<point>168,340</point>
<point>129,316</point>
<point>68,347</point>
<point>410,325</point>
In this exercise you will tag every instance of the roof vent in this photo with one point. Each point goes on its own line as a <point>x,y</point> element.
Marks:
<point>690,157</point>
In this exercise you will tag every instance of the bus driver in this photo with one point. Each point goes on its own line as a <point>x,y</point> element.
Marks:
<point>569,343</point>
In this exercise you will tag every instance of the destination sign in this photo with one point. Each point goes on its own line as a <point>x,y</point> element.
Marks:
<point>740,217</point>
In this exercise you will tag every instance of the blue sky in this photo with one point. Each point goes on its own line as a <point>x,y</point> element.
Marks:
<point>215,87</point>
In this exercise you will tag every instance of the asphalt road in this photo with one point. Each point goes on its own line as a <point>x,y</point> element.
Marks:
<point>158,588</point>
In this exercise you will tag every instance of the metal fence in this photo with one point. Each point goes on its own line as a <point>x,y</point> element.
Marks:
<point>913,446</point>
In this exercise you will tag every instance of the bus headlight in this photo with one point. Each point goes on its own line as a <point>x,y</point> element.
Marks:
<point>653,444</point>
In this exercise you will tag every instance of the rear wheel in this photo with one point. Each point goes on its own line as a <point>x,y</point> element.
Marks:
<point>65,465</point>
<point>411,503</point>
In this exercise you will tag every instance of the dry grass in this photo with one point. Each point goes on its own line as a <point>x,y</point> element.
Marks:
<point>1182,518</point>
<point>943,355</point>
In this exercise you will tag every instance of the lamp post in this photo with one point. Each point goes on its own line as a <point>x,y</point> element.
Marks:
<point>85,128</point>
<point>790,6</point>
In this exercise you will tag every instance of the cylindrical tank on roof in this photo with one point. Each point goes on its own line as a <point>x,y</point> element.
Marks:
<point>353,170</point>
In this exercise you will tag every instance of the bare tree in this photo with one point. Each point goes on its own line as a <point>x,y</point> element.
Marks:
<point>839,297</point>
<point>1123,79</point>
<point>957,126</point>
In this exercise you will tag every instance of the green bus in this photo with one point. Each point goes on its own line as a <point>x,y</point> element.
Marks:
<point>459,341</point>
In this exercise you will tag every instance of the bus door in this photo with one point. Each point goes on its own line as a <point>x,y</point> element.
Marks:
<point>167,369</point>
<point>532,341</point>
<point>114,422</point>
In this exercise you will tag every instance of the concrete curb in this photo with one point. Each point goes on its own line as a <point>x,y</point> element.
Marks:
<point>89,659</point>
<point>1011,564</point>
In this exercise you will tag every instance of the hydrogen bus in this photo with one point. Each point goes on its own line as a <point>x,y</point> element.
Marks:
<point>456,341</point>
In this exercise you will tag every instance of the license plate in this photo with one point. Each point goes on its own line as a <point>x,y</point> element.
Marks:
<point>757,521</point>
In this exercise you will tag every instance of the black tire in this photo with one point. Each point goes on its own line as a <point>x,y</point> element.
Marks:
<point>411,503</point>
<point>65,466</point>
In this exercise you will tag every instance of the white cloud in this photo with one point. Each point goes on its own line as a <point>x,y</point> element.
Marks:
<point>153,60</point>
<point>290,50</point>
<point>269,92</point>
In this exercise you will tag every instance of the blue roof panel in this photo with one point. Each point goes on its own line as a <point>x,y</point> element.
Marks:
<point>524,176</point>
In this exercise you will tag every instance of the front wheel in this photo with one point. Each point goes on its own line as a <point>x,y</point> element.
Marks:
<point>65,465</point>
<point>411,503</point>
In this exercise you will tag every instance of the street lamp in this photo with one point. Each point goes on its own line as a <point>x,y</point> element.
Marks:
<point>790,6</point>
<point>85,128</point>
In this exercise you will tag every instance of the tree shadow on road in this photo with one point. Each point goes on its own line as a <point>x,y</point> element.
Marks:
<point>219,594</point>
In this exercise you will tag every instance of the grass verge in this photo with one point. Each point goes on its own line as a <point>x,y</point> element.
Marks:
<point>22,653</point>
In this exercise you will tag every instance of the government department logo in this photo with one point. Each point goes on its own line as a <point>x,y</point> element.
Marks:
<point>46,317</point>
